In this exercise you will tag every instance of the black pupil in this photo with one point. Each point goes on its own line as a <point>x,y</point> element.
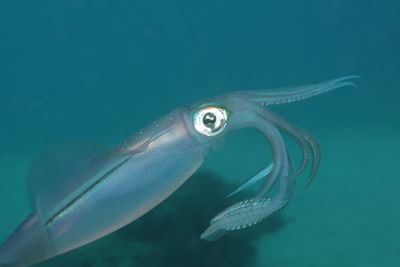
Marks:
<point>209,119</point>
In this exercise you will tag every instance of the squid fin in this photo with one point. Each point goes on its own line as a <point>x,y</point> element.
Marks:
<point>65,170</point>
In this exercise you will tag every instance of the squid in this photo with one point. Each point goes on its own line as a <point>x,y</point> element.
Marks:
<point>81,192</point>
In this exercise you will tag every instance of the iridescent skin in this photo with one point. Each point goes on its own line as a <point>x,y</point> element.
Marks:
<point>131,179</point>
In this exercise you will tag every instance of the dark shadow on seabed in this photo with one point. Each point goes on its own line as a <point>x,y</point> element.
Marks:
<point>169,235</point>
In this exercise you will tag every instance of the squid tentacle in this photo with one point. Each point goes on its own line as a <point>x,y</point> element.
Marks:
<point>237,216</point>
<point>316,150</point>
<point>305,141</point>
<point>293,94</point>
<point>253,179</point>
<point>249,212</point>
<point>278,150</point>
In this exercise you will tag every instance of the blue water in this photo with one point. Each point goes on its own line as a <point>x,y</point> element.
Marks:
<point>101,70</point>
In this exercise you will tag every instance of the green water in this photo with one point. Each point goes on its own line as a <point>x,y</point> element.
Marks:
<point>101,70</point>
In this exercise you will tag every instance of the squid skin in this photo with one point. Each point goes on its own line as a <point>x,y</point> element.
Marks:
<point>124,183</point>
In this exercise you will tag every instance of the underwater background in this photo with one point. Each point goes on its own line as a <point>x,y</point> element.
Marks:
<point>101,70</point>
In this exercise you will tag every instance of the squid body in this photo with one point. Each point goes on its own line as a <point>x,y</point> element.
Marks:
<point>81,192</point>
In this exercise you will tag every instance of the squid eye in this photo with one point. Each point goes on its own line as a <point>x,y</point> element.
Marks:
<point>210,120</point>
